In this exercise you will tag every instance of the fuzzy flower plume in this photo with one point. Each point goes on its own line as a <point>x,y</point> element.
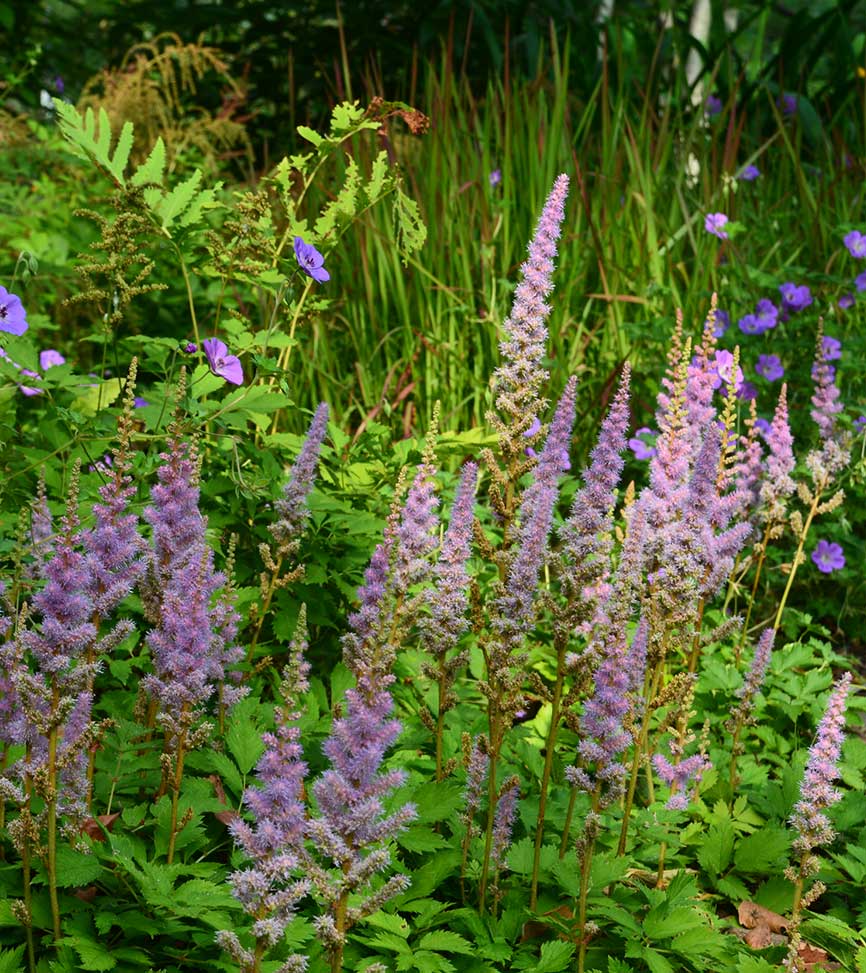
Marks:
<point>115,549</point>
<point>275,840</point>
<point>817,793</point>
<point>41,529</point>
<point>586,534</point>
<point>680,777</point>
<point>834,453</point>
<point>513,608</point>
<point>54,696</point>
<point>755,676</point>
<point>503,823</point>
<point>748,468</point>
<point>777,484</point>
<point>448,599</point>
<point>477,764</point>
<point>520,378</point>
<point>702,379</point>
<point>291,509</point>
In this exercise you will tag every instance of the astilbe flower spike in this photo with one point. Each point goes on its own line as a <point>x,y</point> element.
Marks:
<point>587,544</point>
<point>777,483</point>
<point>513,607</point>
<point>291,509</point>
<point>268,888</point>
<point>520,378</point>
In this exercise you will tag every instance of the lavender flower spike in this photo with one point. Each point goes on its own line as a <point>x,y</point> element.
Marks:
<point>817,793</point>
<point>521,376</point>
<point>585,536</point>
<point>755,676</point>
<point>778,485</point>
<point>506,810</point>
<point>291,508</point>
<point>513,609</point>
<point>268,889</point>
<point>448,599</point>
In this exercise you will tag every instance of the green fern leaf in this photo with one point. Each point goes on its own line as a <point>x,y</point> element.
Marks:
<point>410,231</point>
<point>378,174</point>
<point>150,172</point>
<point>103,142</point>
<point>121,153</point>
<point>172,205</point>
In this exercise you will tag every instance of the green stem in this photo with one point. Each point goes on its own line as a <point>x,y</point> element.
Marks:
<point>175,791</point>
<point>440,718</point>
<point>761,556</point>
<point>640,746</point>
<point>796,562</point>
<point>555,714</point>
<point>733,771</point>
<point>566,831</point>
<point>266,604</point>
<point>26,873</point>
<point>585,868</point>
<point>51,826</point>
<point>188,284</point>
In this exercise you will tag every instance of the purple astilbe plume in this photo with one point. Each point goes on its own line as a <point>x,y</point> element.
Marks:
<point>291,509</point>
<point>476,775</point>
<point>54,695</point>
<point>749,466</point>
<point>12,725</point>
<point>704,374</point>
<point>513,607</point>
<point>448,599</point>
<point>521,376</point>
<point>416,534</point>
<point>834,454</point>
<point>173,513</point>
<point>506,811</point>
<point>817,794</point>
<point>41,529</point>
<point>115,549</point>
<point>680,777</point>
<point>755,676</point>
<point>586,534</point>
<point>777,484</point>
<point>268,888</point>
<point>825,400</point>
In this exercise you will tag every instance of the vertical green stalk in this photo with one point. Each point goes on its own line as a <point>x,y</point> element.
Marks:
<point>585,869</point>
<point>496,737</point>
<point>555,715</point>
<point>819,489</point>
<point>51,818</point>
<point>761,556</point>
<point>440,717</point>
<point>27,872</point>
<point>566,830</point>
<point>180,754</point>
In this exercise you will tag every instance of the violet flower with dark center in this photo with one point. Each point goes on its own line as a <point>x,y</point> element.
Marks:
<point>749,173</point>
<point>221,363</point>
<point>795,298</point>
<point>828,557</point>
<point>855,242</point>
<point>715,223</point>
<point>311,262</point>
<point>13,317</point>
<point>769,367</point>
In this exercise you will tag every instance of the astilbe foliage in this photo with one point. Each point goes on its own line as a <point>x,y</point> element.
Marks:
<point>268,888</point>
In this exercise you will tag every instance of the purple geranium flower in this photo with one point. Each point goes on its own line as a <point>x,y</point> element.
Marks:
<point>495,178</point>
<point>795,298</point>
<point>190,347</point>
<point>828,557</point>
<point>221,362</point>
<point>749,173</point>
<point>310,261</point>
<point>713,105</point>
<point>49,358</point>
<point>715,223</point>
<point>769,367</point>
<point>860,424</point>
<point>639,445</point>
<point>140,403</point>
<point>831,348</point>
<point>767,314</point>
<point>747,391</point>
<point>12,315</point>
<point>723,322</point>
<point>763,426</point>
<point>788,103</point>
<point>860,281</point>
<point>847,300</point>
<point>855,241</point>
<point>724,370</point>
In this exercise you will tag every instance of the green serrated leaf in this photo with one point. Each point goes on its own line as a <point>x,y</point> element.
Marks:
<point>94,956</point>
<point>121,152</point>
<point>170,206</point>
<point>555,956</point>
<point>150,172</point>
<point>97,397</point>
<point>74,868</point>
<point>11,960</point>
<point>717,848</point>
<point>759,851</point>
<point>311,135</point>
<point>244,741</point>
<point>444,939</point>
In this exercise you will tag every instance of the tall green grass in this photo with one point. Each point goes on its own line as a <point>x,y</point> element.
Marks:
<point>634,247</point>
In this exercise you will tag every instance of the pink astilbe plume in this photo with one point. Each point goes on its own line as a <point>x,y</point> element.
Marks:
<point>748,467</point>
<point>586,535</point>
<point>777,483</point>
<point>817,794</point>
<point>747,693</point>
<point>834,453</point>
<point>272,885</point>
<point>520,378</point>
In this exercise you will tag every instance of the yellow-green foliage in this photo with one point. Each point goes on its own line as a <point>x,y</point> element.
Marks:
<point>155,88</point>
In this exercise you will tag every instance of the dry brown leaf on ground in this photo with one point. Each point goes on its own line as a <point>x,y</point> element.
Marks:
<point>92,829</point>
<point>752,916</point>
